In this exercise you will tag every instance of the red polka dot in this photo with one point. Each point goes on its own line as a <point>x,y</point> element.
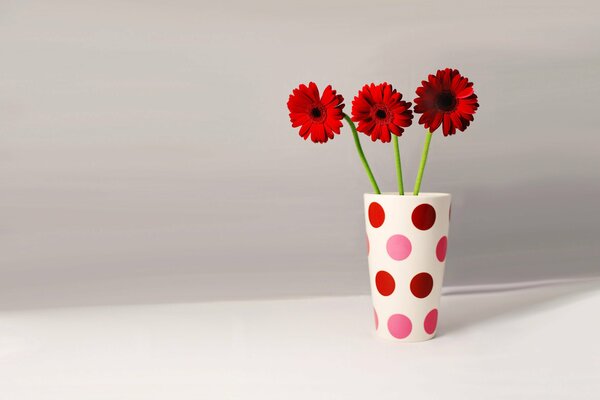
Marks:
<point>421,285</point>
<point>431,321</point>
<point>376,319</point>
<point>423,216</point>
<point>399,326</point>
<point>385,283</point>
<point>376,215</point>
<point>440,249</point>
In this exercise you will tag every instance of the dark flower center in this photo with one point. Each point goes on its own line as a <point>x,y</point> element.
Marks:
<point>445,101</point>
<point>316,112</point>
<point>381,114</point>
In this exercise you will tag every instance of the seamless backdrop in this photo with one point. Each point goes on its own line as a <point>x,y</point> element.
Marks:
<point>146,153</point>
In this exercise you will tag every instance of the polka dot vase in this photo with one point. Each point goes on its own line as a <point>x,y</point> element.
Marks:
<point>407,238</point>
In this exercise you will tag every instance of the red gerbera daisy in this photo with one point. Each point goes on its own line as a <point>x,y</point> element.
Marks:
<point>318,117</point>
<point>380,111</point>
<point>446,97</point>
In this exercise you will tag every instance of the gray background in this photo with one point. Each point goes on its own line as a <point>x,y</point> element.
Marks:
<point>146,153</point>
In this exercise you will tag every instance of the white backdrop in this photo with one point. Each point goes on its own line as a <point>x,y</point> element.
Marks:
<point>146,153</point>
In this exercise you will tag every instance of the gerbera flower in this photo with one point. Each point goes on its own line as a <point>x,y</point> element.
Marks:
<point>446,98</point>
<point>380,112</point>
<point>318,117</point>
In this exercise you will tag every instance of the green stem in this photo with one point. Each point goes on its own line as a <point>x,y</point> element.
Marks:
<point>423,162</point>
<point>398,166</point>
<point>361,154</point>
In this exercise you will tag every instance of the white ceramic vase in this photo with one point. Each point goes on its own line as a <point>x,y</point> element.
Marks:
<point>407,238</point>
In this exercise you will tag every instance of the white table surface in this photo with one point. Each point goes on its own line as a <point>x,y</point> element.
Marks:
<point>541,343</point>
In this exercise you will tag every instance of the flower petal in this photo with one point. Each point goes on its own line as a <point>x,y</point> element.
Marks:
<point>426,104</point>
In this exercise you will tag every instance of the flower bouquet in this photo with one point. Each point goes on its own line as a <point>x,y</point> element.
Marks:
<point>407,233</point>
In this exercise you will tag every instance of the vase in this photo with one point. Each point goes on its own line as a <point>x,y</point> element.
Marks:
<point>407,238</point>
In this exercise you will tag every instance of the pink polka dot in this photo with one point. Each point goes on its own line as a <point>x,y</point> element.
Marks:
<point>376,214</point>
<point>399,247</point>
<point>431,321</point>
<point>376,319</point>
<point>440,249</point>
<point>399,326</point>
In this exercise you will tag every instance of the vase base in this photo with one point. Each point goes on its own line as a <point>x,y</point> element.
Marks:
<point>388,338</point>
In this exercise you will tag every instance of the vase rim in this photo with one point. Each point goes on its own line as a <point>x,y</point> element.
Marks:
<point>410,194</point>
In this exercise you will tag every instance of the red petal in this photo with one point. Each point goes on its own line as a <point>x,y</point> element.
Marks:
<point>387,93</point>
<point>376,91</point>
<point>385,131</point>
<point>367,127</point>
<point>435,123</point>
<point>367,95</point>
<point>314,91</point>
<point>376,132</point>
<point>298,119</point>
<point>328,96</point>
<point>305,130</point>
<point>318,133</point>
<point>447,124</point>
<point>466,92</point>
<point>386,137</point>
<point>328,132</point>
<point>456,121</point>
